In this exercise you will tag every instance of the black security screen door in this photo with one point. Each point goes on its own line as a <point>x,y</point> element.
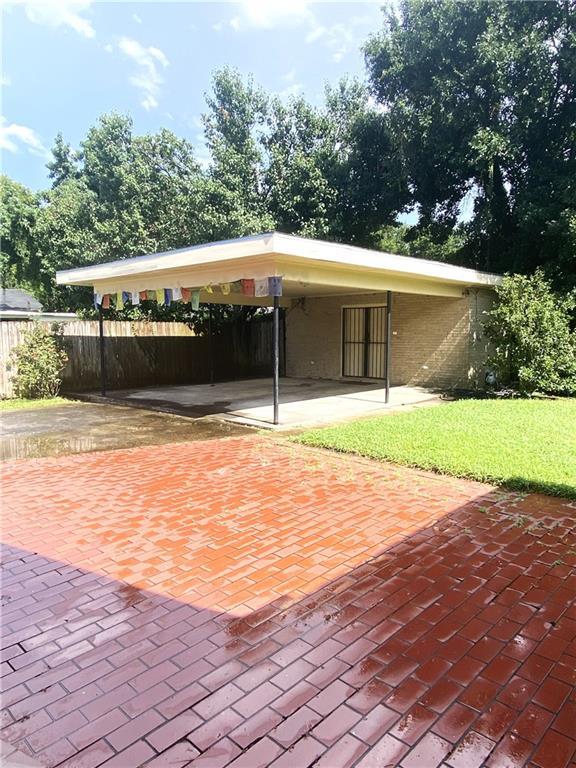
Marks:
<point>364,342</point>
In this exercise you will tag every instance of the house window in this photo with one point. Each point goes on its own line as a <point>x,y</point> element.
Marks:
<point>364,342</point>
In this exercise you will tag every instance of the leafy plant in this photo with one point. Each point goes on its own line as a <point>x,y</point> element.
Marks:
<point>38,362</point>
<point>534,345</point>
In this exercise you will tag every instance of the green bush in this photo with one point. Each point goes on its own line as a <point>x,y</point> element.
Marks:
<point>38,362</point>
<point>534,347</point>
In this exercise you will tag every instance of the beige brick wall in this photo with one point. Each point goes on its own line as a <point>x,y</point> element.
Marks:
<point>436,341</point>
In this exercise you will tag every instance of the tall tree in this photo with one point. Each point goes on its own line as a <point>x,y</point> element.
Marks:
<point>481,100</point>
<point>18,255</point>
<point>63,164</point>
<point>233,125</point>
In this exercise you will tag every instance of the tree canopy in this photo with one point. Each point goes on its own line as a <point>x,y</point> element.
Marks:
<point>481,99</point>
<point>467,116</point>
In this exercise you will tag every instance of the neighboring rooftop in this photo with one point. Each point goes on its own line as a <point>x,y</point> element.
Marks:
<point>18,300</point>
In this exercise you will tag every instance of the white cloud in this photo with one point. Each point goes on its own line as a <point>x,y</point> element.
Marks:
<point>339,38</point>
<point>293,86</point>
<point>150,62</point>
<point>13,136</point>
<point>271,13</point>
<point>137,18</point>
<point>58,13</point>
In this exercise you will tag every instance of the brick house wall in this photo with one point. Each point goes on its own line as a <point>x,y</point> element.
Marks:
<point>436,341</point>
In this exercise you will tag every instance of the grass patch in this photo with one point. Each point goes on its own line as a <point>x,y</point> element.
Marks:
<point>526,445</point>
<point>19,404</point>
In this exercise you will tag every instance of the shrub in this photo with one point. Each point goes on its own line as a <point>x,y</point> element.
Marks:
<point>529,327</point>
<point>39,362</point>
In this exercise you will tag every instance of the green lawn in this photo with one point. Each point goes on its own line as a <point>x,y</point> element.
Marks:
<point>522,444</point>
<point>18,404</point>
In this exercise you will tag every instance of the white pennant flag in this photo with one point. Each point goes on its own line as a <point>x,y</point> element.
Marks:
<point>135,298</point>
<point>261,287</point>
<point>176,294</point>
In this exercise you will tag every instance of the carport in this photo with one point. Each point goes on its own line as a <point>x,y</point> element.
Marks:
<point>353,315</point>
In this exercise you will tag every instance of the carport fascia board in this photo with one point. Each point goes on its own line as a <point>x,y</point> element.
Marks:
<point>297,259</point>
<point>293,270</point>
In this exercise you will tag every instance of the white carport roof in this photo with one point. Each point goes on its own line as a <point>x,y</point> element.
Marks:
<point>308,268</point>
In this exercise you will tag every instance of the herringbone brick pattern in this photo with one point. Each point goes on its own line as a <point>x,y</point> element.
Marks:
<point>243,602</point>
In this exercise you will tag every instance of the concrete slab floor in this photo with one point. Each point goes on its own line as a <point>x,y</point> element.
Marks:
<point>303,402</point>
<point>83,427</point>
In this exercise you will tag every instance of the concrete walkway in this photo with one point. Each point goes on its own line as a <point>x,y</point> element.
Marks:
<point>303,402</point>
<point>243,602</point>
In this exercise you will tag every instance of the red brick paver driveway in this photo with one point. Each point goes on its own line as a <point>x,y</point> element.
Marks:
<point>248,603</point>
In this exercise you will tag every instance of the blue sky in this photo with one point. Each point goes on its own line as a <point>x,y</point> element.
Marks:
<point>66,62</point>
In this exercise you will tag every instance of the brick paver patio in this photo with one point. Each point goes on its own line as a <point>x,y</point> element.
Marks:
<point>248,603</point>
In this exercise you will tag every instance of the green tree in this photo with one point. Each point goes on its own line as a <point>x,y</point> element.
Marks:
<point>368,170</point>
<point>233,194</point>
<point>299,193</point>
<point>481,101</point>
<point>19,263</point>
<point>63,165</point>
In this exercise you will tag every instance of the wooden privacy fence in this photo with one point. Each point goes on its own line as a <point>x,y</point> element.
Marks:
<point>142,354</point>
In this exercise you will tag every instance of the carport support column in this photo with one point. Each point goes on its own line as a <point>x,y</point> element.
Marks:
<point>102,351</point>
<point>210,345</point>
<point>388,341</point>
<point>276,355</point>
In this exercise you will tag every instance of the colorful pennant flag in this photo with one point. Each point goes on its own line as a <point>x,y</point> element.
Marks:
<point>275,286</point>
<point>248,287</point>
<point>195,299</point>
<point>208,289</point>
<point>186,295</point>
<point>97,300</point>
<point>167,296</point>
<point>261,287</point>
<point>236,286</point>
<point>106,301</point>
<point>160,295</point>
<point>143,295</point>
<point>225,288</point>
<point>119,300</point>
